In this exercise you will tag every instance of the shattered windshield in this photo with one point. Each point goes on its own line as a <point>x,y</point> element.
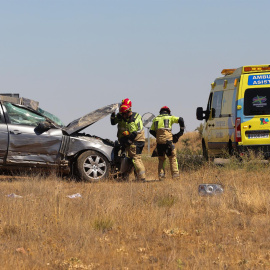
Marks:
<point>52,117</point>
<point>21,116</point>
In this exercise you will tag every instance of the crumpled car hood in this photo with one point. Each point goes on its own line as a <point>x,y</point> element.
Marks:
<point>89,119</point>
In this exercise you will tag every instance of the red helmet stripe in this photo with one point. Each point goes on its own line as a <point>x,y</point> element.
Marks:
<point>127,101</point>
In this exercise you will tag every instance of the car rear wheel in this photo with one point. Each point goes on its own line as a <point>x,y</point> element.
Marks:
<point>92,166</point>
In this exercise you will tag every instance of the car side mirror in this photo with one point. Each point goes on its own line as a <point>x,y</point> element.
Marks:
<point>42,127</point>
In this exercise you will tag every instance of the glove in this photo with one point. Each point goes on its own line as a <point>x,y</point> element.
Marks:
<point>113,115</point>
<point>128,142</point>
<point>176,137</point>
<point>123,142</point>
<point>119,116</point>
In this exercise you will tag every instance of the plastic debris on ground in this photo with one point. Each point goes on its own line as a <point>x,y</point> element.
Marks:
<point>13,195</point>
<point>77,195</point>
<point>21,250</point>
<point>210,189</point>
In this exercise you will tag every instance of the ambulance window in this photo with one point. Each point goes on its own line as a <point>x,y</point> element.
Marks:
<point>209,102</point>
<point>227,103</point>
<point>257,101</point>
<point>216,105</point>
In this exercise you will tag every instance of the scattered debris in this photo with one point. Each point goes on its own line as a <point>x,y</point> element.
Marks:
<point>141,250</point>
<point>21,250</point>
<point>175,232</point>
<point>221,161</point>
<point>210,189</point>
<point>122,250</point>
<point>13,195</point>
<point>233,211</point>
<point>77,195</point>
<point>75,263</point>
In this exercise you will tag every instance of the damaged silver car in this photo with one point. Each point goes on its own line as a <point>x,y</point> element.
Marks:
<point>31,137</point>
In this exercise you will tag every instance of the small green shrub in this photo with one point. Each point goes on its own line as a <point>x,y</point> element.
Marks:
<point>189,159</point>
<point>200,129</point>
<point>249,161</point>
<point>10,229</point>
<point>103,224</point>
<point>166,201</point>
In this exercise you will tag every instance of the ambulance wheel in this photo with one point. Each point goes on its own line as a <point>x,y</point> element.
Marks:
<point>92,166</point>
<point>231,150</point>
<point>204,150</point>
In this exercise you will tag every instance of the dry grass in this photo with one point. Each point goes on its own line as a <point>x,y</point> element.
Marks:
<point>192,140</point>
<point>129,225</point>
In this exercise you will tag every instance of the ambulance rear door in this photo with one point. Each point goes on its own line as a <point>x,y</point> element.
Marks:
<point>256,109</point>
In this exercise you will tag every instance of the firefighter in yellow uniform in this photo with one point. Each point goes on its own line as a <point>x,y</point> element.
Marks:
<point>161,129</point>
<point>134,139</point>
<point>119,121</point>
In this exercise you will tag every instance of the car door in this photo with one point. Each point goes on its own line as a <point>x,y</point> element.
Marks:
<point>26,144</point>
<point>3,137</point>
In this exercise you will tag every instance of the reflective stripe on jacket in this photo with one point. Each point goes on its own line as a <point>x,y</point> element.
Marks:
<point>162,125</point>
<point>135,128</point>
<point>164,121</point>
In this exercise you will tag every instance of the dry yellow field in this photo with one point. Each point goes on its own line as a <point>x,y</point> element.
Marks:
<point>130,225</point>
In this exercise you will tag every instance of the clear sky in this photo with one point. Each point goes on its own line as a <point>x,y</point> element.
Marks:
<point>77,56</point>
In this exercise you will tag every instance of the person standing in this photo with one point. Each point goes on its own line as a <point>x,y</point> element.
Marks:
<point>161,129</point>
<point>116,119</point>
<point>133,139</point>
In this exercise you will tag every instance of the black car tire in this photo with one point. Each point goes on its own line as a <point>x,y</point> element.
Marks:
<point>92,166</point>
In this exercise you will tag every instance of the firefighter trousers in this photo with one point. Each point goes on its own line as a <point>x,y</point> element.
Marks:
<point>169,151</point>
<point>135,153</point>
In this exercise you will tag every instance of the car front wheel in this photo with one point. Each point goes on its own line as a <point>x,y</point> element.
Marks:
<point>92,166</point>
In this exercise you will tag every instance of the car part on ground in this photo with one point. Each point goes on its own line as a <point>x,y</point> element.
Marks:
<point>210,189</point>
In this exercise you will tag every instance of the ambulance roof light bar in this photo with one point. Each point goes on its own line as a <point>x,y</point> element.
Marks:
<point>248,69</point>
<point>228,71</point>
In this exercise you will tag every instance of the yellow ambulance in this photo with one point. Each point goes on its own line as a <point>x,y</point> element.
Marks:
<point>238,112</point>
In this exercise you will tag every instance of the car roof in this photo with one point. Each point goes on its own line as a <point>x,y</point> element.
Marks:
<point>21,101</point>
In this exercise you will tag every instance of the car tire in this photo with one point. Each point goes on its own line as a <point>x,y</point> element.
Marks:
<point>92,166</point>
